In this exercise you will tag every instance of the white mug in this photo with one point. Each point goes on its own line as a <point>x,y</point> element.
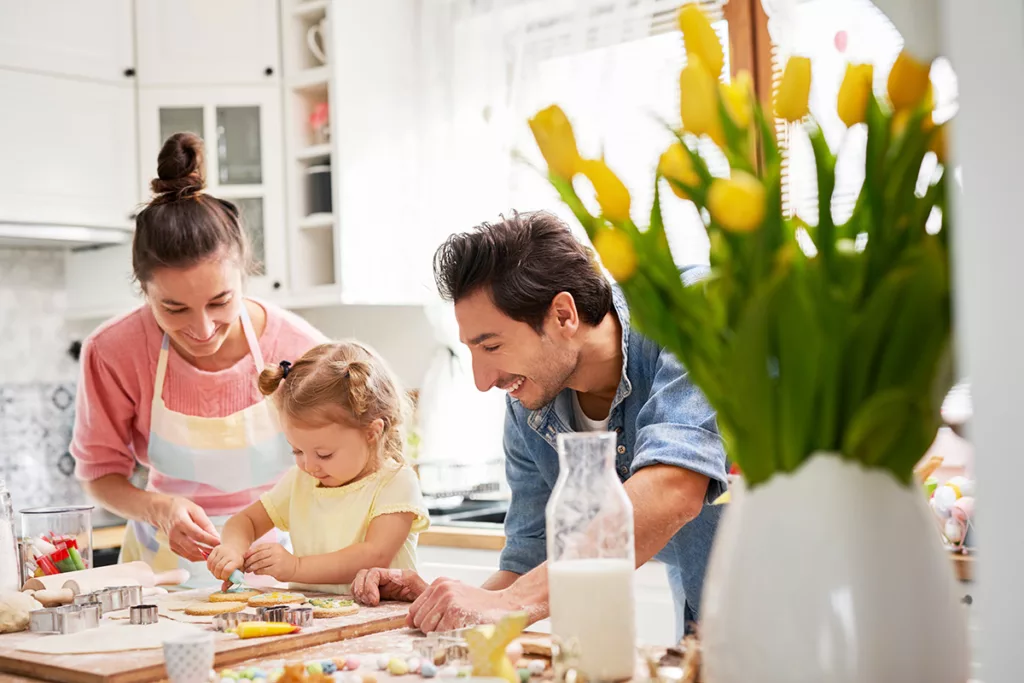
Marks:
<point>318,47</point>
<point>189,657</point>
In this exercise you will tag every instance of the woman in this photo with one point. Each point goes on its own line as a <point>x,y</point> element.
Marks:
<point>173,383</point>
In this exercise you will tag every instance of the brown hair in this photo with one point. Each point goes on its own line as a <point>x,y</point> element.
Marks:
<point>182,226</point>
<point>341,382</point>
<point>525,260</point>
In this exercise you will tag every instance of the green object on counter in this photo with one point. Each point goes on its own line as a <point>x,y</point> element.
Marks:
<point>76,558</point>
<point>524,676</point>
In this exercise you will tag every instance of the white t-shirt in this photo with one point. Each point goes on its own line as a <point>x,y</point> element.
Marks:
<point>584,423</point>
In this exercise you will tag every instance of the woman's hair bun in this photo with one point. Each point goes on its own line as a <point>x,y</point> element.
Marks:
<point>181,167</point>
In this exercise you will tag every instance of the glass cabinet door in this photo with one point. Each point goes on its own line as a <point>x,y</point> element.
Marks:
<point>239,157</point>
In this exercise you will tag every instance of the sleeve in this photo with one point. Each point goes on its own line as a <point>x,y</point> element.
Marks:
<point>676,426</point>
<point>525,528</point>
<point>104,413</point>
<point>402,494</point>
<point>277,501</point>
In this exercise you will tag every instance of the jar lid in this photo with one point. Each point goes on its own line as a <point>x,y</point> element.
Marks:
<point>56,510</point>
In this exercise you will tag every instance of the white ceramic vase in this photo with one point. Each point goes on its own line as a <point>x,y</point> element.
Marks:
<point>832,574</point>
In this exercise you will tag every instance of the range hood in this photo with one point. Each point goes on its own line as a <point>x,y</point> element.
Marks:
<point>60,236</point>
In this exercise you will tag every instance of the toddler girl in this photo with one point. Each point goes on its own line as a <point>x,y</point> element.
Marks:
<point>350,502</point>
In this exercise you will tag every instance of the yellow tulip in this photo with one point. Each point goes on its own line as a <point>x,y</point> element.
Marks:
<point>700,38</point>
<point>612,195</point>
<point>617,253</point>
<point>852,104</point>
<point>908,82</point>
<point>554,136</point>
<point>900,120</point>
<point>737,203</point>
<point>675,163</point>
<point>698,100</point>
<point>737,99</point>
<point>794,89</point>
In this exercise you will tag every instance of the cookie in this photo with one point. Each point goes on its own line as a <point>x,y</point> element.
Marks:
<point>239,596</point>
<point>269,599</point>
<point>209,609</point>
<point>325,608</point>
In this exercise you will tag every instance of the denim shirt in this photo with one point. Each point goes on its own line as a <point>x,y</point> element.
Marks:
<point>660,417</point>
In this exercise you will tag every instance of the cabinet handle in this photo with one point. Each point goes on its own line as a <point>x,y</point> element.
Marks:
<point>129,72</point>
<point>269,71</point>
<point>277,284</point>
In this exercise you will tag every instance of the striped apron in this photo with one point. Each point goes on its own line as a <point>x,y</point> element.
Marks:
<point>190,455</point>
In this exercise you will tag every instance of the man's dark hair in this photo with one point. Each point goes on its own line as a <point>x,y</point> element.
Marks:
<point>525,260</point>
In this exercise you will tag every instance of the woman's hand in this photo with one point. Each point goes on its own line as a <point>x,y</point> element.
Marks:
<point>372,585</point>
<point>273,560</point>
<point>186,526</point>
<point>223,560</point>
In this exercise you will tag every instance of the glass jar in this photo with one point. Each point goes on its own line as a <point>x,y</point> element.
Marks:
<point>591,560</point>
<point>56,539</point>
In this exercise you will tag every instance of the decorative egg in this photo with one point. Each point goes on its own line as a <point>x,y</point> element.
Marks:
<point>428,670</point>
<point>369,678</point>
<point>963,484</point>
<point>953,531</point>
<point>315,667</point>
<point>536,667</point>
<point>413,664</point>
<point>941,512</point>
<point>930,484</point>
<point>328,666</point>
<point>352,663</point>
<point>382,662</point>
<point>963,509</point>
<point>943,499</point>
<point>398,667</point>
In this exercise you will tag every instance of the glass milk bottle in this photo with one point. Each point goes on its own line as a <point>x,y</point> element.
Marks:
<point>591,559</point>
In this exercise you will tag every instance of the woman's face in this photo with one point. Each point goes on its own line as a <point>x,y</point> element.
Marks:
<point>197,306</point>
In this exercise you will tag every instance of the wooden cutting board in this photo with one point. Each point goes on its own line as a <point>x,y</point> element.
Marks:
<point>144,666</point>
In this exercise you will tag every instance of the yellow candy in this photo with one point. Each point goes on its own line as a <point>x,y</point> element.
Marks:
<point>398,667</point>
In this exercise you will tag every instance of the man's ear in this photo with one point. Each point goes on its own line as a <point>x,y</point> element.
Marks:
<point>563,314</point>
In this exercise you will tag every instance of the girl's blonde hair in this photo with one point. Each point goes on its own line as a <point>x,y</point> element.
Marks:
<point>341,382</point>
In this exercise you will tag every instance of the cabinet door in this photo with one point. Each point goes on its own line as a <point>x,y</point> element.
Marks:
<point>68,37</point>
<point>242,131</point>
<point>69,151</point>
<point>199,42</point>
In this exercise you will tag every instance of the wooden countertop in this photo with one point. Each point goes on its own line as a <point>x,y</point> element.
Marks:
<point>438,536</point>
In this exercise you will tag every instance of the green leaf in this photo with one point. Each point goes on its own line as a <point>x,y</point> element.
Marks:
<point>826,167</point>
<point>893,429</point>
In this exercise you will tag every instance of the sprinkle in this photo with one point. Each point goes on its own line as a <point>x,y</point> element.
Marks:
<point>328,666</point>
<point>352,663</point>
<point>398,667</point>
<point>428,670</point>
<point>382,662</point>
<point>536,667</point>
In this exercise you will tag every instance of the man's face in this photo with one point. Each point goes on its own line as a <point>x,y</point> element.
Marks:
<point>533,367</point>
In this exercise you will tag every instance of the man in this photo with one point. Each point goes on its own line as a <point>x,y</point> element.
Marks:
<point>543,324</point>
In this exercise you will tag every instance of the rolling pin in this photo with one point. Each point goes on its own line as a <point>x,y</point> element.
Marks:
<point>62,588</point>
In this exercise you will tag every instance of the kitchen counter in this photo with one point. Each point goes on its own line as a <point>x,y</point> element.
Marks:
<point>437,536</point>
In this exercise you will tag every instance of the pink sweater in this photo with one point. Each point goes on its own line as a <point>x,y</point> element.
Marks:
<point>115,393</point>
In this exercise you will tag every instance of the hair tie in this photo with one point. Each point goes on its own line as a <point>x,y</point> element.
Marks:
<point>285,369</point>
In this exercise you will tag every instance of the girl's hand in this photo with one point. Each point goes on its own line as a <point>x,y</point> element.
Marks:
<point>223,560</point>
<point>272,559</point>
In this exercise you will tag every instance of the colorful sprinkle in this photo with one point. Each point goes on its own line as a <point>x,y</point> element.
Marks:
<point>398,667</point>
<point>428,670</point>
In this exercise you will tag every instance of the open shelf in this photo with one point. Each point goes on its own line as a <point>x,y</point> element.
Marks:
<point>310,8</point>
<point>314,152</point>
<point>311,80</point>
<point>317,220</point>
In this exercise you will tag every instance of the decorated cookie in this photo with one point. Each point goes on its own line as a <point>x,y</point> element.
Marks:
<point>209,609</point>
<point>240,596</point>
<point>270,599</point>
<point>325,608</point>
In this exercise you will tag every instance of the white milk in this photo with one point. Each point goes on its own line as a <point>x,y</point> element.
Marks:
<point>592,601</point>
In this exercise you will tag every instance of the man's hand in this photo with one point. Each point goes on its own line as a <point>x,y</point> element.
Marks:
<point>272,559</point>
<point>449,604</point>
<point>373,585</point>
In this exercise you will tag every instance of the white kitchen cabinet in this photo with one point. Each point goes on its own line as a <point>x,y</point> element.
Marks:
<point>68,37</point>
<point>69,151</point>
<point>242,130</point>
<point>199,42</point>
<point>655,611</point>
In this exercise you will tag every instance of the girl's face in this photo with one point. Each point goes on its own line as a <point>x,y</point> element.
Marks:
<point>336,454</point>
<point>197,306</point>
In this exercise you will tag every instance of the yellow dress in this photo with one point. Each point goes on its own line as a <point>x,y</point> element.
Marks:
<point>323,520</point>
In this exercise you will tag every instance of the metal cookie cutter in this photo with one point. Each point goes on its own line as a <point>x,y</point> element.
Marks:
<point>299,616</point>
<point>142,615</point>
<point>275,613</point>
<point>64,620</point>
<point>225,622</point>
